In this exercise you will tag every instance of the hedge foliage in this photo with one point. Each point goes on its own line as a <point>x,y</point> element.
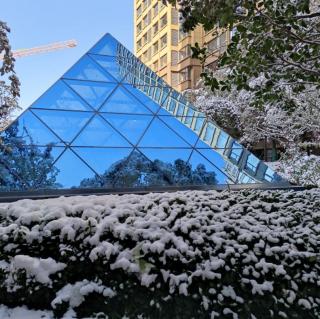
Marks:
<point>248,254</point>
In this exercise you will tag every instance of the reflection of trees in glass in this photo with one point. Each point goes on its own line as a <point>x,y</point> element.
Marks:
<point>24,167</point>
<point>137,170</point>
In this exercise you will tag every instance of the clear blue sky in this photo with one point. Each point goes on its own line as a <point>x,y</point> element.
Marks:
<point>38,22</point>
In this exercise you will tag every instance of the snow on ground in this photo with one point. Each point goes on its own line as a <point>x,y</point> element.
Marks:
<point>208,232</point>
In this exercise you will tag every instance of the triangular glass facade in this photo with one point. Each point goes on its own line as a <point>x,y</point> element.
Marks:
<point>112,122</point>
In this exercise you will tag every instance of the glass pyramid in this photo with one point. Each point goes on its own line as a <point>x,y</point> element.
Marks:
<point>110,121</point>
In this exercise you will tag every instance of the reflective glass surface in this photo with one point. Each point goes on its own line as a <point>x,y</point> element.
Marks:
<point>71,171</point>
<point>143,98</point>
<point>252,163</point>
<point>122,101</point>
<point>160,135</point>
<point>110,65</point>
<point>202,165</point>
<point>94,93</point>
<point>65,124</point>
<point>99,133</point>
<point>129,125</point>
<point>61,97</point>
<point>222,141</point>
<point>236,151</point>
<point>28,129</point>
<point>108,45</point>
<point>112,122</point>
<point>188,135</point>
<point>87,69</point>
<point>101,159</point>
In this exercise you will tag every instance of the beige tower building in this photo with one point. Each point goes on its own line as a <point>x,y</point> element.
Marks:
<point>160,43</point>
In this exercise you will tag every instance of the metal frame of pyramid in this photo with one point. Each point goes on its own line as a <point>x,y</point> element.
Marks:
<point>107,117</point>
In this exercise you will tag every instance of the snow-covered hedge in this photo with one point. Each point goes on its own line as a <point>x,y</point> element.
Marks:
<point>249,254</point>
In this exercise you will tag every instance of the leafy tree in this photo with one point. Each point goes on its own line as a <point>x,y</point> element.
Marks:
<point>296,133</point>
<point>277,41</point>
<point>23,165</point>
<point>9,85</point>
<point>136,170</point>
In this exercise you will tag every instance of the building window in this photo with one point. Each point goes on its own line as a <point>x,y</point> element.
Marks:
<point>155,47</point>
<point>139,28</point>
<point>146,37</point>
<point>174,78</point>
<point>146,19</point>
<point>174,57</point>
<point>174,16</point>
<point>161,5</point>
<point>155,10</point>
<point>163,41</point>
<point>185,52</point>
<point>182,34</point>
<point>146,55</point>
<point>174,37</point>
<point>146,4</point>
<point>139,11</point>
<point>213,45</point>
<point>163,61</point>
<point>185,74</point>
<point>155,28</point>
<point>139,44</point>
<point>163,21</point>
<point>155,65</point>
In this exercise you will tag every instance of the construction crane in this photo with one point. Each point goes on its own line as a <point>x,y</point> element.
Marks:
<point>43,49</point>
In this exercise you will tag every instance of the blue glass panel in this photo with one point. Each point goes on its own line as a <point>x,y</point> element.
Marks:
<point>142,97</point>
<point>27,167</point>
<point>236,151</point>
<point>72,171</point>
<point>245,179</point>
<point>213,156</point>
<point>156,93</point>
<point>86,69</point>
<point>121,101</point>
<point>187,134</point>
<point>111,65</point>
<point>209,133</point>
<point>106,46</point>
<point>131,126</point>
<point>101,159</point>
<point>134,171</point>
<point>94,93</point>
<point>28,129</point>
<point>66,124</point>
<point>167,155</point>
<point>222,141</point>
<point>269,175</point>
<point>252,163</point>
<point>199,124</point>
<point>99,133</point>
<point>173,169</point>
<point>199,162</point>
<point>160,135</point>
<point>61,97</point>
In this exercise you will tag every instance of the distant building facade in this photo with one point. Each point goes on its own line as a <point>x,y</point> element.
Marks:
<point>161,44</point>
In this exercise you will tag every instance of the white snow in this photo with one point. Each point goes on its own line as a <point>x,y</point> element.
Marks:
<point>39,268</point>
<point>260,233</point>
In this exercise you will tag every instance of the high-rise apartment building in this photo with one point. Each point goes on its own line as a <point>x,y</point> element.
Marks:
<point>162,45</point>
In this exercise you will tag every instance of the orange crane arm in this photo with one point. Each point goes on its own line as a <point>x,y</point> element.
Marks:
<point>43,49</point>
